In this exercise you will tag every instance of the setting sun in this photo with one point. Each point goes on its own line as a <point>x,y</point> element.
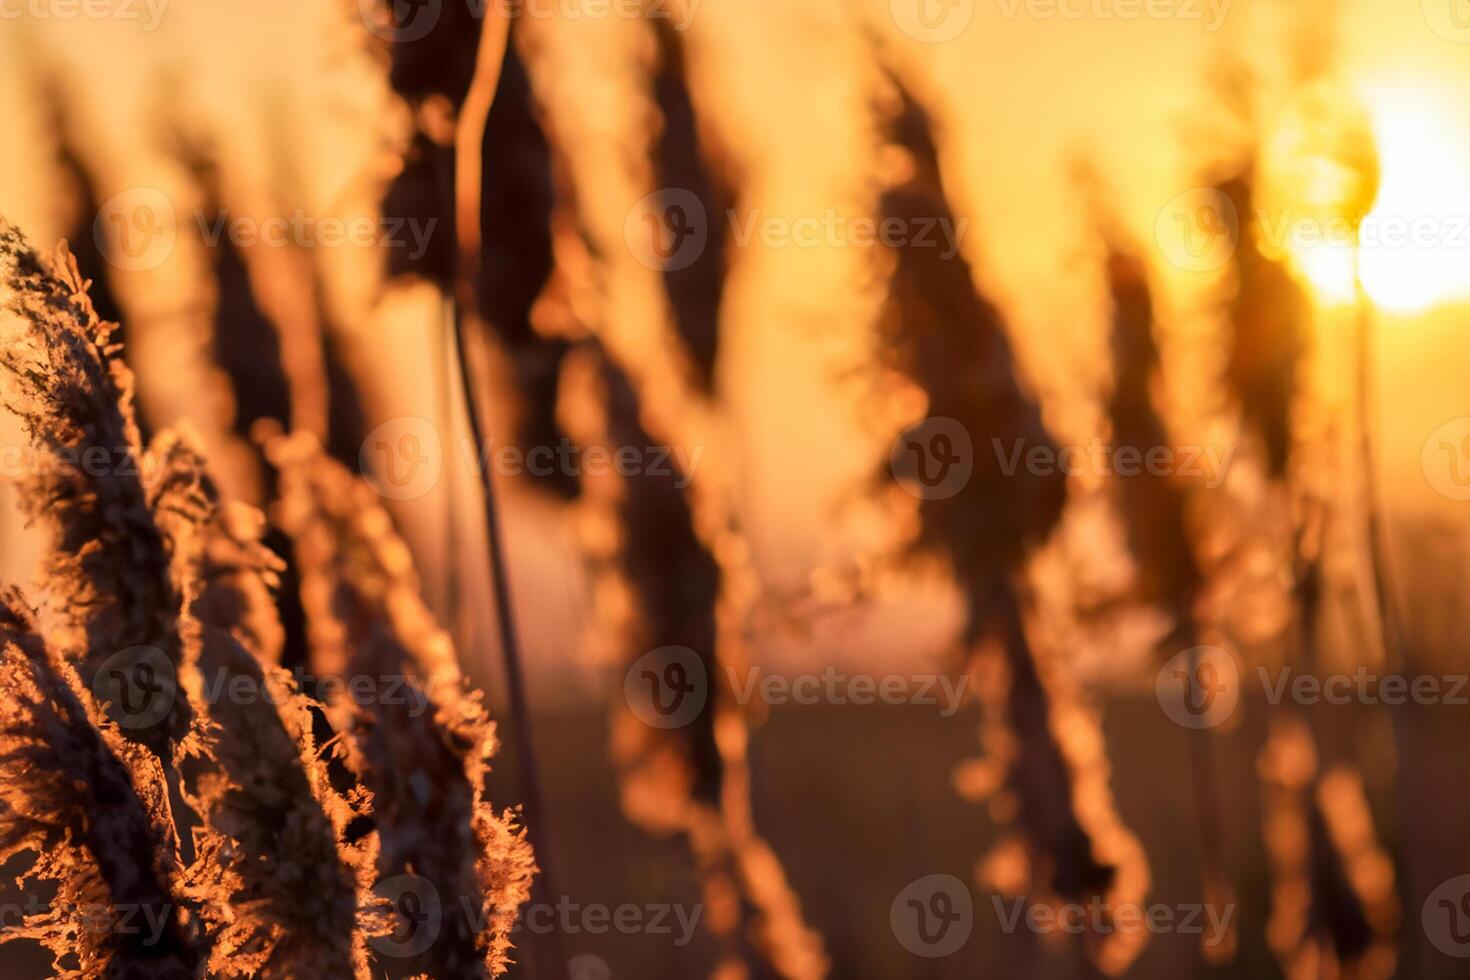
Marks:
<point>1400,158</point>
<point>1416,241</point>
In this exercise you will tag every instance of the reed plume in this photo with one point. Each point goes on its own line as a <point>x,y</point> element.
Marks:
<point>109,573</point>
<point>688,158</point>
<point>418,740</point>
<point>1320,911</point>
<point>653,386</point>
<point>91,806</point>
<point>657,589</point>
<point>1156,522</point>
<point>1046,769</point>
<point>294,874</point>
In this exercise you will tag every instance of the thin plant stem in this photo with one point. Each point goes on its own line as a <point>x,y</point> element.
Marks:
<point>1380,580</point>
<point>468,178</point>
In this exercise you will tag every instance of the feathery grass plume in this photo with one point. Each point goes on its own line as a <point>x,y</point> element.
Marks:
<point>940,334</point>
<point>295,892</point>
<point>108,573</point>
<point>418,740</point>
<point>688,159</point>
<point>1268,312</point>
<point>1156,523</point>
<point>1271,344</point>
<point>92,807</point>
<point>1333,904</point>
<point>657,589</point>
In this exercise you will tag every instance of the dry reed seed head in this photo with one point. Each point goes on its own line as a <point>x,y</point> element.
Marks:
<point>92,807</point>
<point>938,331</point>
<point>109,573</point>
<point>661,591</point>
<point>1269,314</point>
<point>293,894</point>
<point>1152,508</point>
<point>424,752</point>
<point>946,338</point>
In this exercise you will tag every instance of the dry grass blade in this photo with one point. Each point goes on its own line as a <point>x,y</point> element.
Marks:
<point>418,740</point>
<point>109,572</point>
<point>91,806</point>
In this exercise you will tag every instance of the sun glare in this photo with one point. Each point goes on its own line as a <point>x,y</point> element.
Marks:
<point>1393,150</point>
<point>1416,240</point>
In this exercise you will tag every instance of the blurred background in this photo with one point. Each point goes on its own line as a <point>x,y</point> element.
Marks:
<point>1031,434</point>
